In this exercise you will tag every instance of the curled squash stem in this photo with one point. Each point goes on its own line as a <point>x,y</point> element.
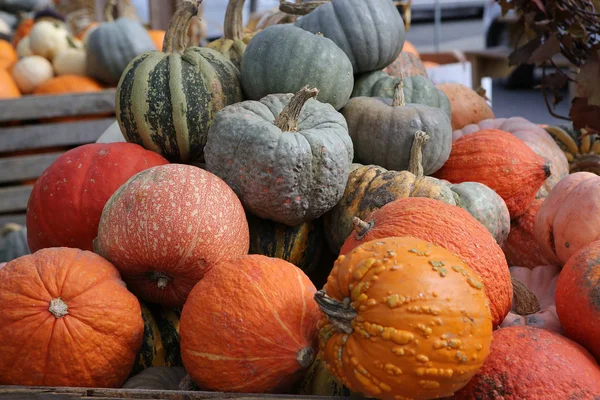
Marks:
<point>176,36</point>
<point>287,120</point>
<point>399,100</point>
<point>58,307</point>
<point>339,313</point>
<point>234,26</point>
<point>524,301</point>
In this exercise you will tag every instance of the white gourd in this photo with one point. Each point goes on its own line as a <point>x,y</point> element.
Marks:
<point>30,72</point>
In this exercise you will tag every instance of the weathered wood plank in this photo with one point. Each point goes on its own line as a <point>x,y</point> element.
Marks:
<point>14,169</point>
<point>14,198</point>
<point>14,218</point>
<point>52,135</point>
<point>68,105</point>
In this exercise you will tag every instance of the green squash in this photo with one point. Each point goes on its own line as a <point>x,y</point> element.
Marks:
<point>370,32</point>
<point>13,242</point>
<point>157,378</point>
<point>383,129</point>
<point>318,381</point>
<point>417,89</point>
<point>166,101</point>
<point>287,157</point>
<point>112,46</point>
<point>301,245</point>
<point>284,59</point>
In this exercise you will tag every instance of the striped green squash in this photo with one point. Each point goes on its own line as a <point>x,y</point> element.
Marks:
<point>166,101</point>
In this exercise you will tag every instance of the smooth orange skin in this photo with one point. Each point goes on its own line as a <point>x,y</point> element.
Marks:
<point>158,37</point>
<point>578,298</point>
<point>68,84</point>
<point>569,219</point>
<point>174,219</point>
<point>8,86</point>
<point>467,106</point>
<point>502,162</point>
<point>521,248</point>
<point>440,306</point>
<point>452,228</point>
<point>244,323</point>
<point>94,345</point>
<point>8,55</point>
<point>528,363</point>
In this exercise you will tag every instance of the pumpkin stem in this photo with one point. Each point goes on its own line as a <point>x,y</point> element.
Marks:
<point>361,227</point>
<point>162,280</point>
<point>234,26</point>
<point>339,313</point>
<point>287,120</point>
<point>58,307</point>
<point>10,227</point>
<point>305,357</point>
<point>524,301</point>
<point>176,36</point>
<point>398,100</point>
<point>415,163</point>
<point>109,10</point>
<point>300,8</point>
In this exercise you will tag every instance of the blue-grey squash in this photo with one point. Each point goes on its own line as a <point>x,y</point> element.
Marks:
<point>112,45</point>
<point>287,157</point>
<point>370,32</point>
<point>382,131</point>
<point>284,59</point>
<point>18,6</point>
<point>13,242</point>
<point>166,101</point>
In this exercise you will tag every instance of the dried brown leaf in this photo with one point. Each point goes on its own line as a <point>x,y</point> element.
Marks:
<point>546,51</point>
<point>588,81</point>
<point>522,54</point>
<point>584,115</point>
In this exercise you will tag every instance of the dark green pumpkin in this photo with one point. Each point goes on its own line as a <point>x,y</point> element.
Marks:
<point>382,131</point>
<point>417,89</point>
<point>284,59</point>
<point>300,245</point>
<point>287,157</point>
<point>166,101</point>
<point>13,242</point>
<point>370,32</point>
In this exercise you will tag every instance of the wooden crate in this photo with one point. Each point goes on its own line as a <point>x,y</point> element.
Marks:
<point>44,141</point>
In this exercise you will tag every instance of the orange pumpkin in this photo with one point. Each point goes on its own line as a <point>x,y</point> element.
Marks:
<point>8,86</point>
<point>467,106</point>
<point>533,298</point>
<point>22,31</point>
<point>406,65</point>
<point>500,161</point>
<point>67,320</point>
<point>578,298</point>
<point>68,84</point>
<point>8,55</point>
<point>569,218</point>
<point>158,37</point>
<point>527,363</point>
<point>405,319</point>
<point>437,222</point>
<point>430,64</point>
<point>257,333</point>
<point>521,248</point>
<point>408,47</point>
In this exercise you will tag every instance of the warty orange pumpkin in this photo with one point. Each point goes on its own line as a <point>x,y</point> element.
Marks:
<point>258,331</point>
<point>67,320</point>
<point>447,226</point>
<point>405,319</point>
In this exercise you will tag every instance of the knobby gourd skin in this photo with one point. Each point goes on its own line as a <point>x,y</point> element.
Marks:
<point>284,59</point>
<point>370,33</point>
<point>405,319</point>
<point>166,101</point>
<point>286,156</point>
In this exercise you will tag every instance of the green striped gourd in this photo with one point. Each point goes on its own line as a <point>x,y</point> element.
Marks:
<point>166,101</point>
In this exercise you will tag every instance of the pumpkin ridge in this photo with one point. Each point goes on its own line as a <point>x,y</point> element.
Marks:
<point>177,96</point>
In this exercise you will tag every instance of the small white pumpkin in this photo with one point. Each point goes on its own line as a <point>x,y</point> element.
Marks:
<point>30,72</point>
<point>5,28</point>
<point>48,38</point>
<point>71,61</point>
<point>23,48</point>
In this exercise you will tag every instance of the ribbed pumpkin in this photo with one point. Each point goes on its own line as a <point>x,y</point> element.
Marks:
<point>535,137</point>
<point>417,89</point>
<point>234,41</point>
<point>8,86</point>
<point>8,55</point>
<point>521,247</point>
<point>166,101</point>
<point>468,107</point>
<point>286,156</point>
<point>383,129</point>
<point>258,332</point>
<point>501,161</point>
<point>187,220</point>
<point>582,148</point>
<point>370,33</point>
<point>66,202</point>
<point>68,84</point>
<point>578,297</point>
<point>406,65</point>
<point>67,320</point>
<point>527,363</point>
<point>405,319</point>
<point>447,226</point>
<point>533,298</point>
<point>13,242</point>
<point>301,245</point>
<point>569,218</point>
<point>269,67</point>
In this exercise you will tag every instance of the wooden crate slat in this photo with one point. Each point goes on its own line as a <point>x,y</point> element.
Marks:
<point>14,198</point>
<point>52,135</point>
<point>21,168</point>
<point>14,218</point>
<point>68,105</point>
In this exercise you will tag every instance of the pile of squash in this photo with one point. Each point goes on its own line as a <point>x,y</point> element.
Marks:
<point>301,210</point>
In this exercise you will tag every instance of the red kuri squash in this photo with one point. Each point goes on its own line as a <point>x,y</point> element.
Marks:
<point>167,226</point>
<point>67,200</point>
